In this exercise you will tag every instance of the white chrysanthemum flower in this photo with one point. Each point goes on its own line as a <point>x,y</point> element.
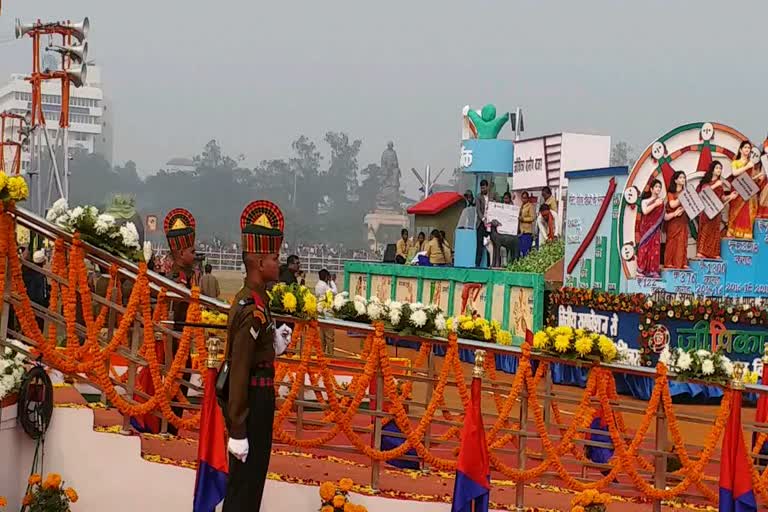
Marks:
<point>360,298</point>
<point>59,208</point>
<point>440,322</point>
<point>727,366</point>
<point>703,353</point>
<point>63,220</point>
<point>93,211</point>
<point>375,310</point>
<point>360,307</point>
<point>684,361</point>
<point>394,316</point>
<point>416,306</point>
<point>339,301</point>
<point>104,223</point>
<point>130,235</point>
<point>395,305</point>
<point>76,213</point>
<point>419,318</point>
<point>707,367</point>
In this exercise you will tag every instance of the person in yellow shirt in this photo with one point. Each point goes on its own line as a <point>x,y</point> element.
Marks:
<point>549,199</point>
<point>527,218</point>
<point>402,246</point>
<point>438,252</point>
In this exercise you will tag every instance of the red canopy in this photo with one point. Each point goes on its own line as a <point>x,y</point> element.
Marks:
<point>435,203</point>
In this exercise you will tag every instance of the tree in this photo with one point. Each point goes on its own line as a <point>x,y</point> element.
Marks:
<point>622,153</point>
<point>342,172</point>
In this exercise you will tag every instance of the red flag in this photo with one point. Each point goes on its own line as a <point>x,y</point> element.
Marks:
<point>212,463</point>
<point>736,493</point>
<point>473,473</point>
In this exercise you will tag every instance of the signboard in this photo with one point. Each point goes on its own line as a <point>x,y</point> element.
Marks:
<point>745,186</point>
<point>712,204</point>
<point>617,326</point>
<point>530,170</point>
<point>151,223</point>
<point>739,257</point>
<point>506,214</point>
<point>691,202</point>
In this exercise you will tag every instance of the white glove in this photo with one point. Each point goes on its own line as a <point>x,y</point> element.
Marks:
<point>238,448</point>
<point>465,110</point>
<point>282,339</point>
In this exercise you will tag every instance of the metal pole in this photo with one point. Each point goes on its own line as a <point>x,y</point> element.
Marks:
<point>65,156</point>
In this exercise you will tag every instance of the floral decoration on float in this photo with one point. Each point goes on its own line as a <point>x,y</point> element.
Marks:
<point>590,500</point>
<point>48,495</point>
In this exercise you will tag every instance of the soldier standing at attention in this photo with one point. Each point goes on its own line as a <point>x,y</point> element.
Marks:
<point>253,343</point>
<point>179,227</point>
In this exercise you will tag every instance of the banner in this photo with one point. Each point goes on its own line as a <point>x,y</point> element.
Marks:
<point>530,169</point>
<point>506,214</point>
<point>692,203</point>
<point>712,204</point>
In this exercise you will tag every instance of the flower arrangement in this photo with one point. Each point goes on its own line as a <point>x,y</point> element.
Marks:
<point>335,497</point>
<point>3,502</point>
<point>11,371</point>
<point>48,495</point>
<point>13,189</point>
<point>570,343</point>
<point>590,500</point>
<point>702,365</point>
<point>476,328</point>
<point>214,318</point>
<point>99,229</point>
<point>294,300</point>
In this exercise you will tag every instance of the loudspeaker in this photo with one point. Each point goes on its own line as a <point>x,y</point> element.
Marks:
<point>389,253</point>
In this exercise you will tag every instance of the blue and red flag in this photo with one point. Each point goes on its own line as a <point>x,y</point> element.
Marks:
<point>473,474</point>
<point>736,493</point>
<point>761,416</point>
<point>212,464</point>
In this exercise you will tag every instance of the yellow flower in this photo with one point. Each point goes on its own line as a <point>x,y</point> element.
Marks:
<point>71,494</point>
<point>289,302</point>
<point>562,342</point>
<point>579,332</point>
<point>339,500</point>
<point>3,180</point>
<point>52,481</point>
<point>345,484</point>
<point>327,491</point>
<point>310,304</point>
<point>563,330</point>
<point>329,297</point>
<point>504,338</point>
<point>481,322</point>
<point>540,340</point>
<point>34,479</point>
<point>468,325</point>
<point>495,325</point>
<point>486,332</point>
<point>449,324</point>
<point>607,348</point>
<point>550,331</point>
<point>17,188</point>
<point>583,345</point>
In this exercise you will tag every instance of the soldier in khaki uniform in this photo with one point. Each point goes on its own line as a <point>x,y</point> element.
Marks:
<point>253,343</point>
<point>179,227</point>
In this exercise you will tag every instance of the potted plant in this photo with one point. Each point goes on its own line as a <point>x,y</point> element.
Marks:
<point>48,495</point>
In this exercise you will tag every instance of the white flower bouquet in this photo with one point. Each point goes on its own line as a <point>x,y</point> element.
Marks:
<point>11,371</point>
<point>702,365</point>
<point>99,229</point>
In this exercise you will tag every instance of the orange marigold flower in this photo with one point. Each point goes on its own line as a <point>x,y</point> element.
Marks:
<point>3,501</point>
<point>346,484</point>
<point>34,479</point>
<point>71,494</point>
<point>577,508</point>
<point>327,508</point>
<point>339,501</point>
<point>327,491</point>
<point>361,508</point>
<point>27,500</point>
<point>349,507</point>
<point>52,481</point>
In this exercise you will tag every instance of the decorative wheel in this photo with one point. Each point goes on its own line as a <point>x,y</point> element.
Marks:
<point>35,402</point>
<point>689,148</point>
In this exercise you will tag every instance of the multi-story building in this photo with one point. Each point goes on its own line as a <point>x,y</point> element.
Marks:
<point>90,120</point>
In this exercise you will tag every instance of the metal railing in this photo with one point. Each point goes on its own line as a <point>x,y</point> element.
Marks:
<point>310,264</point>
<point>524,450</point>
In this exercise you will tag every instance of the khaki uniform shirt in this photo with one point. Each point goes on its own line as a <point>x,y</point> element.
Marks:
<point>250,334</point>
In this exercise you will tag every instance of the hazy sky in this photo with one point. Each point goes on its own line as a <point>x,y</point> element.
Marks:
<point>256,74</point>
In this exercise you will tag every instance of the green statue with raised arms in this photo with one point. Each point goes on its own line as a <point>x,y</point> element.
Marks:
<point>485,125</point>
